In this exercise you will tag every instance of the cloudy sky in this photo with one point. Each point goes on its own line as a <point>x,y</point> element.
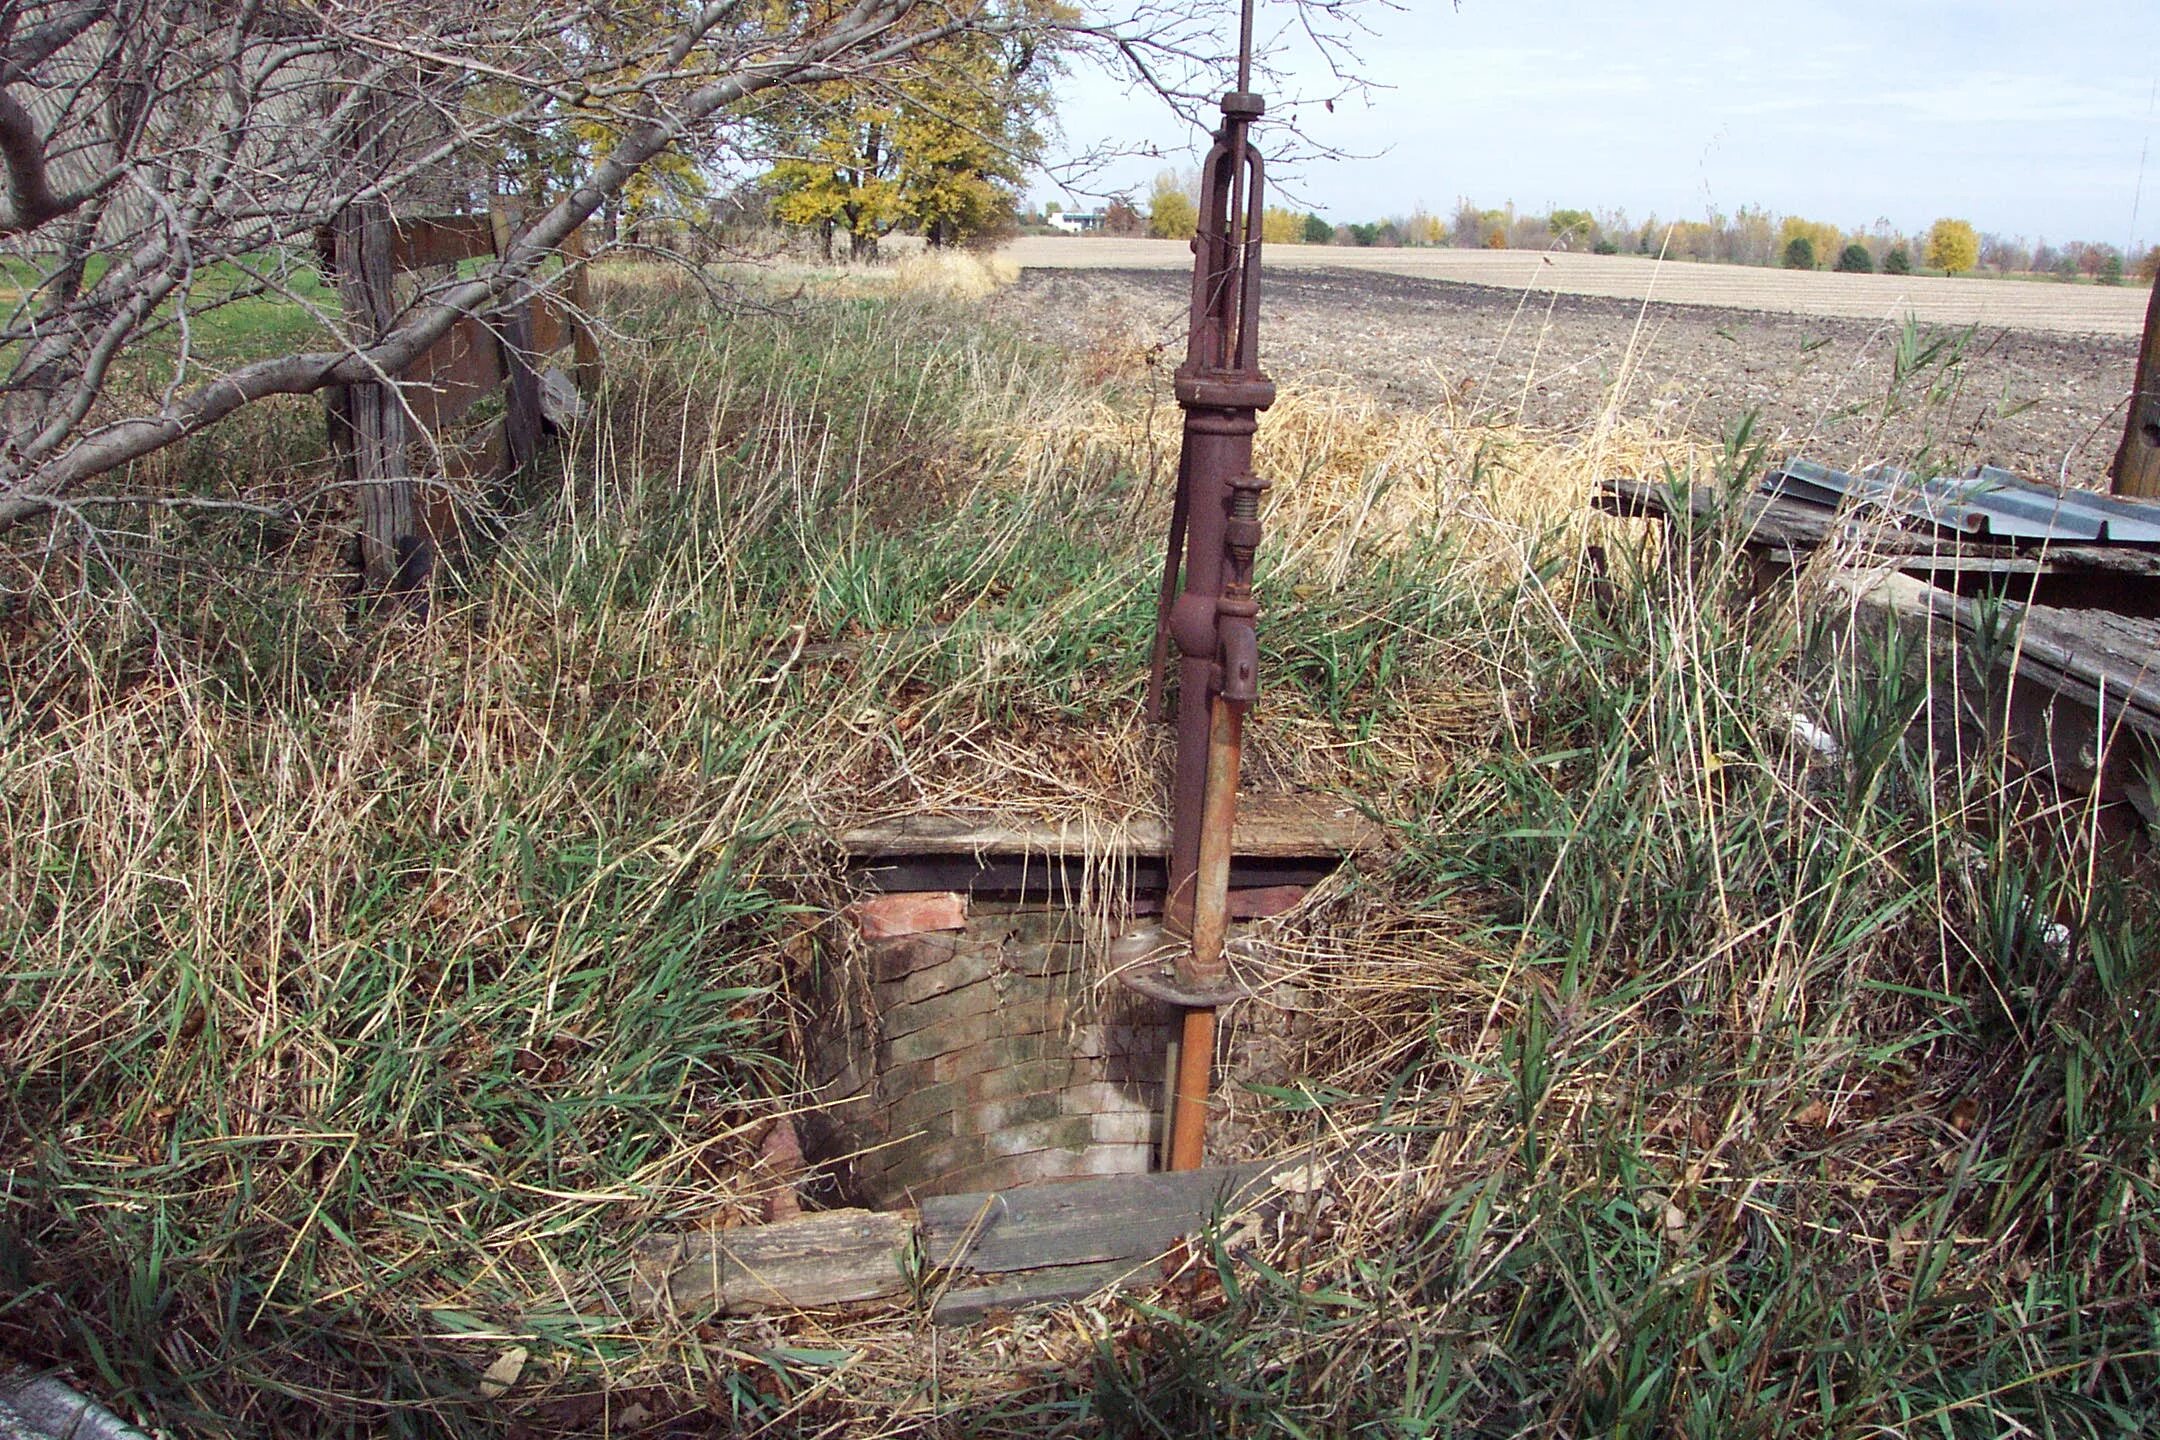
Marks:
<point>2029,119</point>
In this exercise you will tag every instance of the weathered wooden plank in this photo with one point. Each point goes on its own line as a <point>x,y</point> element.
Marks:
<point>513,330</point>
<point>551,328</point>
<point>2084,654</point>
<point>835,1258</point>
<point>372,434</point>
<point>424,240</point>
<point>2136,469</point>
<point>1060,877</point>
<point>480,461</point>
<point>1268,826</point>
<point>1765,519</point>
<point>587,354</point>
<point>1777,523</point>
<point>452,375</point>
<point>965,1305</point>
<point>1084,1222</point>
<point>2081,713</point>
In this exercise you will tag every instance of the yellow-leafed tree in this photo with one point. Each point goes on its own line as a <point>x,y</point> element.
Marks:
<point>845,182</point>
<point>1824,240</point>
<point>1953,245</point>
<point>1173,213</point>
<point>939,149</point>
<point>1282,227</point>
<point>1423,228</point>
<point>539,160</point>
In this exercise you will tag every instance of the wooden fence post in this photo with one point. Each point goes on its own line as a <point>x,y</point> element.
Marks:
<point>2137,462</point>
<point>370,420</point>
<point>514,331</point>
<point>586,354</point>
<point>375,438</point>
<point>410,523</point>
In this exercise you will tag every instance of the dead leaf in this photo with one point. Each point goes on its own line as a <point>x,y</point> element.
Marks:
<point>504,1373</point>
<point>1300,1179</point>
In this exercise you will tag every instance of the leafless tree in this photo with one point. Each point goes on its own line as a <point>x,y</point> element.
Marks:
<point>166,157</point>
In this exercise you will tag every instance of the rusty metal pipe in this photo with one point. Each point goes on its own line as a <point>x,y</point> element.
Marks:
<point>1219,439</point>
<point>1166,596</point>
<point>1188,1114</point>
<point>1215,529</point>
<point>1204,965</point>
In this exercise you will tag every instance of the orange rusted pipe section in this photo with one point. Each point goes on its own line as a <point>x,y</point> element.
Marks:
<point>1188,1117</point>
<point>1206,968</point>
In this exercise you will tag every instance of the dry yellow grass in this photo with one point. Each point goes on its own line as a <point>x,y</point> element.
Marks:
<point>428,929</point>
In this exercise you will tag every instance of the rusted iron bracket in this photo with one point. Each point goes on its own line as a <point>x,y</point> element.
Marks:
<point>1146,961</point>
<point>1211,617</point>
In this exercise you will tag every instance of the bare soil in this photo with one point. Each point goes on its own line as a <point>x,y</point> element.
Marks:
<point>2011,304</point>
<point>2047,405</point>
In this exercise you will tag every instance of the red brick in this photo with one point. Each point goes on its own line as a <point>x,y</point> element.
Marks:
<point>888,917</point>
<point>1256,903</point>
<point>1066,1132</point>
<point>1108,1098</point>
<point>1132,1127</point>
<point>892,961</point>
<point>1030,1077</point>
<point>993,1116</point>
<point>1013,1171</point>
<point>1264,901</point>
<point>1116,1160</point>
<point>990,1055</point>
<point>971,960</point>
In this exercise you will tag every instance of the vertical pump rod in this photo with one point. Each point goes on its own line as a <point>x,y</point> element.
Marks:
<point>1210,616</point>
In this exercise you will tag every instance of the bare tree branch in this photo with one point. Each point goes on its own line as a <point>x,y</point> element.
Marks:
<point>162,156</point>
<point>31,201</point>
<point>23,53</point>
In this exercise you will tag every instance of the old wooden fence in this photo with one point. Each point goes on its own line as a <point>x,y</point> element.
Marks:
<point>420,448</point>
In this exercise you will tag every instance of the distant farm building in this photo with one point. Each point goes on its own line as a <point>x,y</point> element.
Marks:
<point>1079,222</point>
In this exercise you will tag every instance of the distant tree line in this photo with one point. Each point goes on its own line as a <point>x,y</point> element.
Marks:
<point>1752,235</point>
<point>1172,212</point>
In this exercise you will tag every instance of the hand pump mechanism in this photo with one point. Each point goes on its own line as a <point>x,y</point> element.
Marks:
<point>1215,522</point>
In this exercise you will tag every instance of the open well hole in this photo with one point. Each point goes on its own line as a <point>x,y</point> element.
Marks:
<point>967,1034</point>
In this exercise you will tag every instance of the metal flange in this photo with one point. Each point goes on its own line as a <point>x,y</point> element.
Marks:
<point>1145,962</point>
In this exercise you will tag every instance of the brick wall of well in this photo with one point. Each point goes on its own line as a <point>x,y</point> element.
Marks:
<point>981,1057</point>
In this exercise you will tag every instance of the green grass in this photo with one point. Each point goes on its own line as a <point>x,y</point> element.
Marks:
<point>370,987</point>
<point>232,315</point>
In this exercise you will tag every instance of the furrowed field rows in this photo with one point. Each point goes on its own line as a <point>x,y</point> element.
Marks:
<point>2012,305</point>
<point>2045,404</point>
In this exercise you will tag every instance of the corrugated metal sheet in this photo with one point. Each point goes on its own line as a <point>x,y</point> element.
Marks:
<point>1990,504</point>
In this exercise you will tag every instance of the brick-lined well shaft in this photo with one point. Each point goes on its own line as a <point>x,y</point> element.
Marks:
<point>982,1057</point>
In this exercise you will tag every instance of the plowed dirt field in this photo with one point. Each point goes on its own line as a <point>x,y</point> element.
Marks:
<point>2009,389</point>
